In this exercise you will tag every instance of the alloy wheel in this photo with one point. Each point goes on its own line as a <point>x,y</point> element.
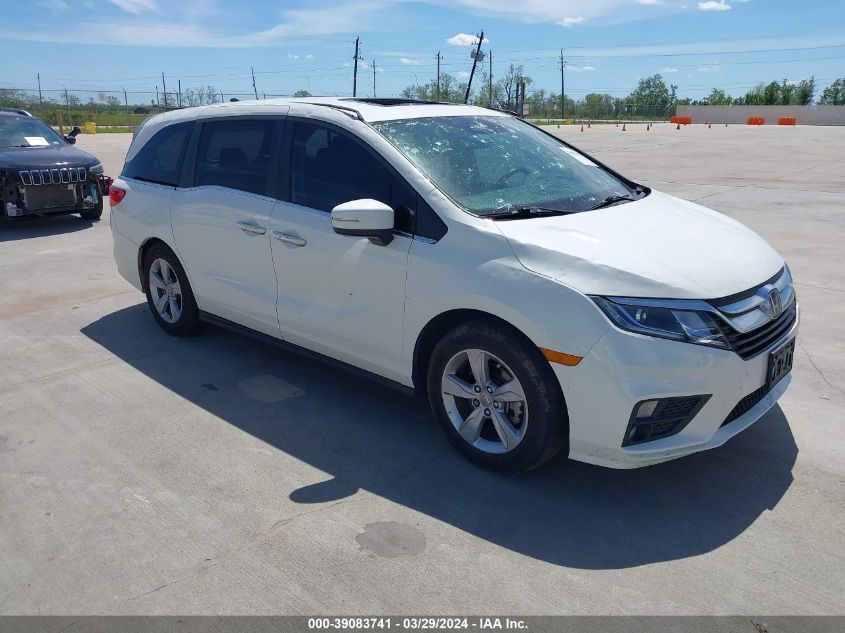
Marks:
<point>484,401</point>
<point>165,291</point>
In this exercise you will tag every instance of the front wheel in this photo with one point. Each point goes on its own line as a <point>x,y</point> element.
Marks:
<point>496,397</point>
<point>95,213</point>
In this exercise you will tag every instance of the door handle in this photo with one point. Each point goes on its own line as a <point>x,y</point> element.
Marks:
<point>251,228</point>
<point>289,239</point>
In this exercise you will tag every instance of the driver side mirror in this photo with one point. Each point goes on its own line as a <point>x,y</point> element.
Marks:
<point>364,218</point>
<point>71,137</point>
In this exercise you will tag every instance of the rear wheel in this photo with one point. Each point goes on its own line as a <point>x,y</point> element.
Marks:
<point>169,294</point>
<point>496,397</point>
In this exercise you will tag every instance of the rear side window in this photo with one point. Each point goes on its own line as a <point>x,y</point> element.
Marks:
<point>235,153</point>
<point>160,159</point>
<point>330,168</point>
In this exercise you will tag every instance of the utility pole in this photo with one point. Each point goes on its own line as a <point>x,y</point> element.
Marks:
<point>438,75</point>
<point>374,79</point>
<point>562,87</point>
<point>67,105</point>
<point>164,90</point>
<point>355,71</point>
<point>179,94</point>
<point>158,103</point>
<point>254,89</point>
<point>475,57</point>
<point>126,102</point>
<point>40,99</point>
<point>490,80</point>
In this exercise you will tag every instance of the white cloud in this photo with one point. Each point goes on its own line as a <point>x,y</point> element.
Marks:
<point>569,22</point>
<point>465,39</point>
<point>669,70</point>
<point>293,56</point>
<point>463,74</point>
<point>650,2</point>
<point>309,56</point>
<point>409,61</point>
<point>713,5</point>
<point>581,69</point>
<point>136,7</point>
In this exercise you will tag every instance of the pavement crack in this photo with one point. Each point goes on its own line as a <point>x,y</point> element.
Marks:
<point>146,593</point>
<point>820,372</point>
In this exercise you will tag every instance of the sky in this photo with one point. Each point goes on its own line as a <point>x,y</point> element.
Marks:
<point>90,46</point>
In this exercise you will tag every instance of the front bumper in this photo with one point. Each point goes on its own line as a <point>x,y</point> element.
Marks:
<point>623,369</point>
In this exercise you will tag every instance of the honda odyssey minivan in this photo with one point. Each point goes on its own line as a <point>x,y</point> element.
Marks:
<point>544,303</point>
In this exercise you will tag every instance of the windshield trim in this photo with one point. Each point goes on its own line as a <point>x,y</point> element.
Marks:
<point>635,188</point>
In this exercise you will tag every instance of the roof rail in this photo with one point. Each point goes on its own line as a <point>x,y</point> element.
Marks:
<point>16,111</point>
<point>352,112</point>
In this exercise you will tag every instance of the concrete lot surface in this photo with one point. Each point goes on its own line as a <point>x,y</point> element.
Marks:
<point>145,474</point>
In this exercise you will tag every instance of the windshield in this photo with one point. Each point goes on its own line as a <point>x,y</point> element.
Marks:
<point>27,131</point>
<point>498,164</point>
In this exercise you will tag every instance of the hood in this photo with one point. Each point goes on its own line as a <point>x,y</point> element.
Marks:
<point>657,247</point>
<point>14,158</point>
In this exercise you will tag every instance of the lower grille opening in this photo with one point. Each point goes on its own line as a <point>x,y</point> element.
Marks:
<point>657,418</point>
<point>746,404</point>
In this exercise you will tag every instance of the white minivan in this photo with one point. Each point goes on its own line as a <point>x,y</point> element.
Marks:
<point>543,302</point>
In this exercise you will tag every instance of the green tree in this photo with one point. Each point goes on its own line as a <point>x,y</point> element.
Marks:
<point>805,91</point>
<point>651,91</point>
<point>450,90</point>
<point>506,86</point>
<point>718,96</point>
<point>302,93</point>
<point>834,94</point>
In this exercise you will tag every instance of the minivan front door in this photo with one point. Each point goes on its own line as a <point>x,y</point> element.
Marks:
<point>221,225</point>
<point>339,295</point>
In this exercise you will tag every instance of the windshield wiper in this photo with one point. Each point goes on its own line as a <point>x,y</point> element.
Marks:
<point>611,200</point>
<point>528,212</point>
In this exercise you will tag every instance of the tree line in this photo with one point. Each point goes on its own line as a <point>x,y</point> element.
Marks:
<point>652,98</point>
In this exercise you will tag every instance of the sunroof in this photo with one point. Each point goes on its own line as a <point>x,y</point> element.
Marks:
<point>392,101</point>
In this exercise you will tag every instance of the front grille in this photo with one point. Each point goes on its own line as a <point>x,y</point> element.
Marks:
<point>746,404</point>
<point>53,176</point>
<point>52,197</point>
<point>749,344</point>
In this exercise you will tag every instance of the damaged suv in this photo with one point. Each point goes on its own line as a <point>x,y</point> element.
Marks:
<point>41,173</point>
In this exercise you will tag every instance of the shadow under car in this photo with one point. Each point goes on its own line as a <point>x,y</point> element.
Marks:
<point>368,436</point>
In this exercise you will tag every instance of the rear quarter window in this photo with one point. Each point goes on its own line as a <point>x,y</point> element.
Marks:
<point>160,159</point>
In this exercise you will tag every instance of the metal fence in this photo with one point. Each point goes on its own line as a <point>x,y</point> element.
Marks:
<point>119,110</point>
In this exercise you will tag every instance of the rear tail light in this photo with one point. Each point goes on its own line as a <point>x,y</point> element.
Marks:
<point>116,194</point>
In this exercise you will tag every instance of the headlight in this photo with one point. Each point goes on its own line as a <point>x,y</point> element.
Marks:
<point>96,169</point>
<point>673,322</point>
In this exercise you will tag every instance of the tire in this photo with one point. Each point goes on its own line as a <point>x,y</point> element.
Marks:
<point>179,315</point>
<point>93,214</point>
<point>534,405</point>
